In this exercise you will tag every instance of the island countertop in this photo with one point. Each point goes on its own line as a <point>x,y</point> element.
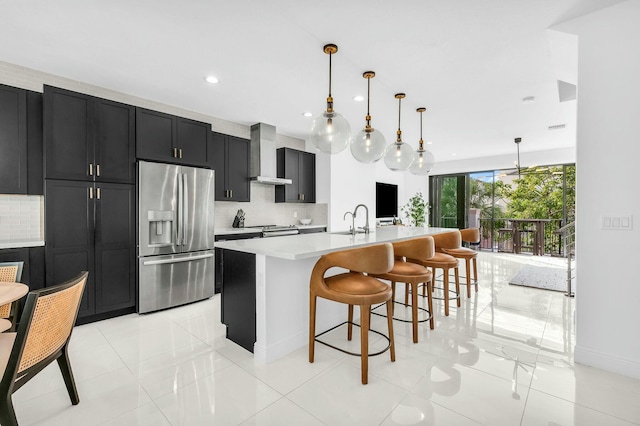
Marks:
<point>305,246</point>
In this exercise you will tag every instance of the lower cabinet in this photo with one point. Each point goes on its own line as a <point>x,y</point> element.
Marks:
<point>91,226</point>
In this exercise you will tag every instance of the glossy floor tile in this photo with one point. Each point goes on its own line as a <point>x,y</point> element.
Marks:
<point>504,357</point>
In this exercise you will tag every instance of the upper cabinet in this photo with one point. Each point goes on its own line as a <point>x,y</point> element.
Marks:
<point>88,138</point>
<point>167,138</point>
<point>230,160</point>
<point>20,141</point>
<point>300,167</point>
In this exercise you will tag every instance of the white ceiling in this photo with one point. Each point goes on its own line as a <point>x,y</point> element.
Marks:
<point>469,62</point>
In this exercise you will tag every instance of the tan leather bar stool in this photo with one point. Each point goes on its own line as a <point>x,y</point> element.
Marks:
<point>445,262</point>
<point>354,288</point>
<point>453,246</point>
<point>412,274</point>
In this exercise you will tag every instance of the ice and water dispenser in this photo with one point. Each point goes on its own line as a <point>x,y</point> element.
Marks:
<point>161,227</point>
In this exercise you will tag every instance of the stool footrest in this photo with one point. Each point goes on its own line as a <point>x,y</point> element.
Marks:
<point>429,314</point>
<point>347,352</point>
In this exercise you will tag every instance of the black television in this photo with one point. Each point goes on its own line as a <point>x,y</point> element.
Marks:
<point>386,200</point>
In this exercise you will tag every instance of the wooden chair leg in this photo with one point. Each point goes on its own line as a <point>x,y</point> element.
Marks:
<point>446,291</point>
<point>414,310</point>
<point>7,413</point>
<point>364,341</point>
<point>456,273</point>
<point>429,285</point>
<point>392,349</point>
<point>312,326</point>
<point>67,375</point>
<point>468,266</point>
<point>350,323</point>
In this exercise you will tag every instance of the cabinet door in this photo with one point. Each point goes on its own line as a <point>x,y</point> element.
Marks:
<point>192,141</point>
<point>155,135</point>
<point>69,233</point>
<point>13,140</point>
<point>115,271</point>
<point>307,177</point>
<point>288,168</point>
<point>238,169</point>
<point>217,161</point>
<point>115,144</point>
<point>68,143</point>
<point>35,167</point>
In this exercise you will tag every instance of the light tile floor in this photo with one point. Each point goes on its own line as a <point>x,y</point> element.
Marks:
<point>505,357</point>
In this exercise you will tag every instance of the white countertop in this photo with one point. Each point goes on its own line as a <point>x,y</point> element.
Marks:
<point>229,231</point>
<point>304,246</point>
<point>21,244</point>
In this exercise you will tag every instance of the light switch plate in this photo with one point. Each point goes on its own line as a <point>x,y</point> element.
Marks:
<point>618,222</point>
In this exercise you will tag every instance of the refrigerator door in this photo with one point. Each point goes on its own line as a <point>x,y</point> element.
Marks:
<point>197,192</point>
<point>173,280</point>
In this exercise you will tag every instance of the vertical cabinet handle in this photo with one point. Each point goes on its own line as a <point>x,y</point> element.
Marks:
<point>175,152</point>
<point>90,169</point>
<point>98,170</point>
<point>231,193</point>
<point>302,197</point>
<point>91,192</point>
<point>180,151</point>
<point>98,193</point>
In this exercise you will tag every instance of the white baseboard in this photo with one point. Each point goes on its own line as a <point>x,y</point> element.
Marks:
<point>607,362</point>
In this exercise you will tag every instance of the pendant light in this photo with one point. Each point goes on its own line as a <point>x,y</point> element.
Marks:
<point>423,160</point>
<point>367,146</point>
<point>330,132</point>
<point>398,156</point>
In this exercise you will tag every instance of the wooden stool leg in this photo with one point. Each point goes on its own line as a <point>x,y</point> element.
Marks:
<point>475,272</point>
<point>457,275</point>
<point>446,291</point>
<point>414,310</point>
<point>406,294</point>
<point>468,265</point>
<point>430,304</point>
<point>364,341</point>
<point>392,349</point>
<point>312,326</point>
<point>349,323</point>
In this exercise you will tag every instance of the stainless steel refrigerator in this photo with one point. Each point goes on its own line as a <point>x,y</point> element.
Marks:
<point>175,235</point>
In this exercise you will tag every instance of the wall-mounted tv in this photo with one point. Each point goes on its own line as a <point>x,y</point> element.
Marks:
<point>386,200</point>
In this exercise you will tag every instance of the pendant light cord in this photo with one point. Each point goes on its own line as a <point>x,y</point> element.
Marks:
<point>330,98</point>
<point>421,147</point>
<point>399,140</point>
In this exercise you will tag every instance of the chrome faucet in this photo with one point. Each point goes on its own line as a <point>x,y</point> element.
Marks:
<point>352,228</point>
<point>365,228</point>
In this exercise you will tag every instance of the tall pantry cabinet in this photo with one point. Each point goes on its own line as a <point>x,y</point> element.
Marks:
<point>89,170</point>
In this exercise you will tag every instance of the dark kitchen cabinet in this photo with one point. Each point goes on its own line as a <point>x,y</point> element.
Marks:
<point>300,167</point>
<point>170,139</point>
<point>231,156</point>
<point>88,138</point>
<point>20,141</point>
<point>90,226</point>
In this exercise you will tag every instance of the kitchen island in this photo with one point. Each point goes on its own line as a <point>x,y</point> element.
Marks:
<point>265,295</point>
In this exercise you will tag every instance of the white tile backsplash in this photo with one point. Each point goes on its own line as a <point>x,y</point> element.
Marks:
<point>262,210</point>
<point>21,217</point>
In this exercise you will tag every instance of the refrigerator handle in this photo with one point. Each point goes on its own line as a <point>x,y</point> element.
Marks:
<point>185,208</point>
<point>180,213</point>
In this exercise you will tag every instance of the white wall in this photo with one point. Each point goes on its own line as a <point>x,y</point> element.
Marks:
<point>608,290</point>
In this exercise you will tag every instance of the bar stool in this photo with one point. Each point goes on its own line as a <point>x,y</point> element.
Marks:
<point>412,274</point>
<point>453,247</point>
<point>443,261</point>
<point>9,313</point>
<point>354,288</point>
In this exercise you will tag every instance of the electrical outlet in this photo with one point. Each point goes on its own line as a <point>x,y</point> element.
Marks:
<point>295,214</point>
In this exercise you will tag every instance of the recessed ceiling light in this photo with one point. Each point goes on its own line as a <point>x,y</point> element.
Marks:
<point>358,98</point>
<point>528,99</point>
<point>211,79</point>
<point>307,114</point>
<point>454,154</point>
<point>428,142</point>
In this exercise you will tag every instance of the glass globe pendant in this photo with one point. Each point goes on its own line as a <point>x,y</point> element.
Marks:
<point>367,146</point>
<point>330,132</point>
<point>398,156</point>
<point>423,160</point>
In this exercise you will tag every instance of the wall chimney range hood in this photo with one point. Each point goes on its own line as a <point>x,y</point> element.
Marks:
<point>263,155</point>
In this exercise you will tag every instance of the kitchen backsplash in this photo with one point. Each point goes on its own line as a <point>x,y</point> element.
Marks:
<point>262,210</point>
<point>21,218</point>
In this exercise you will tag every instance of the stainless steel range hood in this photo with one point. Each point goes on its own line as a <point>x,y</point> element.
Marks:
<point>263,155</point>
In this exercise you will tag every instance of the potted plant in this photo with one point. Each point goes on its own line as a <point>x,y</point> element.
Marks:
<point>415,210</point>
